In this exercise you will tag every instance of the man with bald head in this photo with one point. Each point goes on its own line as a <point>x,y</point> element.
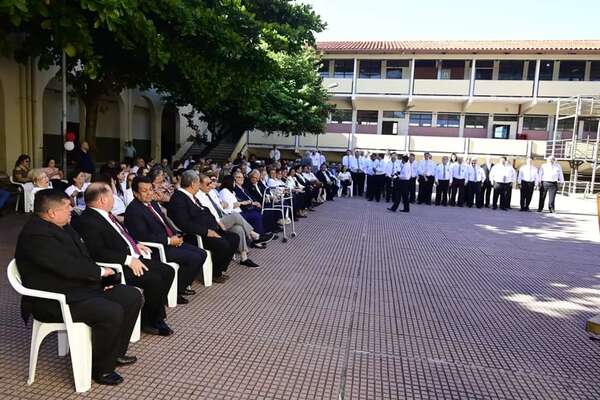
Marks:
<point>550,175</point>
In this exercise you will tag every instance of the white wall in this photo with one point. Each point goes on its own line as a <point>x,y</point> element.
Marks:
<point>141,123</point>
<point>53,111</point>
<point>108,119</point>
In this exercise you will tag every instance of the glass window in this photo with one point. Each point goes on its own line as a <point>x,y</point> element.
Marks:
<point>448,121</point>
<point>425,69</point>
<point>366,117</point>
<point>393,114</point>
<point>394,68</point>
<point>510,70</point>
<point>389,127</point>
<point>420,119</point>
<point>324,69</point>
<point>531,70</point>
<point>484,70</point>
<point>546,70</point>
<point>595,71</point>
<point>571,71</point>
<point>476,121</point>
<point>343,68</point>
<point>452,69</point>
<point>565,124</point>
<point>590,125</point>
<point>535,123</point>
<point>369,69</point>
<point>505,118</point>
<point>341,116</point>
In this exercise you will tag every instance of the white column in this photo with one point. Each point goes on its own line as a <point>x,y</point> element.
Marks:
<point>379,122</point>
<point>490,126</point>
<point>536,79</point>
<point>520,124</point>
<point>353,131</point>
<point>472,81</point>
<point>588,69</point>
<point>354,77</point>
<point>461,126</point>
<point>496,70</point>
<point>556,71</point>
<point>412,78</point>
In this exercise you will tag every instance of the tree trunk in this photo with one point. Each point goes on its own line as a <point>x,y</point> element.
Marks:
<point>92,104</point>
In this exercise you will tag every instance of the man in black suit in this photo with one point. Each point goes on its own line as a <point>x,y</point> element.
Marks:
<point>52,257</point>
<point>146,223</point>
<point>486,186</point>
<point>192,218</point>
<point>328,182</point>
<point>108,241</point>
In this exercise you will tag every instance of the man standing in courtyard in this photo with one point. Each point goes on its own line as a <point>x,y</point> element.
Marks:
<point>550,175</point>
<point>527,179</point>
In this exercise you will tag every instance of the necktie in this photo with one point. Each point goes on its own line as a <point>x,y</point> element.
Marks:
<point>217,208</point>
<point>393,168</point>
<point>444,176</point>
<point>159,219</point>
<point>125,234</point>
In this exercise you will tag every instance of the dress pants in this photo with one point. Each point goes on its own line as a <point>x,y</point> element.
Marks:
<point>412,189</point>
<point>235,223</point>
<point>526,194</point>
<point>402,189</point>
<point>345,184</point>
<point>379,181</point>
<point>547,188</point>
<point>156,283</point>
<point>359,183</point>
<point>221,249</point>
<point>388,188</point>
<point>473,193</point>
<point>254,218</point>
<point>370,187</point>
<point>486,191</point>
<point>499,193</point>
<point>425,189</point>
<point>508,197</point>
<point>441,192</point>
<point>190,259</point>
<point>111,315</point>
<point>457,190</point>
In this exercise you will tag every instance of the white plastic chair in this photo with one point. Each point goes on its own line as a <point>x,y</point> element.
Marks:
<point>350,189</point>
<point>136,334</point>
<point>172,295</point>
<point>21,192</point>
<point>73,336</point>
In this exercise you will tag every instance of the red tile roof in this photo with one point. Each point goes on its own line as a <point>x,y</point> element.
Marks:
<point>461,46</point>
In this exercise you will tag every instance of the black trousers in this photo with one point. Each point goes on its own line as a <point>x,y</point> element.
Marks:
<point>156,283</point>
<point>425,189</point>
<point>111,315</point>
<point>526,194</point>
<point>345,184</point>
<point>486,189</point>
<point>374,186</point>
<point>222,250</point>
<point>412,189</point>
<point>402,189</point>
<point>389,190</point>
<point>473,193</point>
<point>499,193</point>
<point>547,188</point>
<point>441,192</point>
<point>359,183</point>
<point>457,189</point>
<point>190,259</point>
<point>508,195</point>
<point>330,190</point>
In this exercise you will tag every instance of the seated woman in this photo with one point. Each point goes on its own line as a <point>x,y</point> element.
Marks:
<point>40,182</point>
<point>302,187</point>
<point>297,193</point>
<point>245,206</point>
<point>163,190</point>
<point>345,180</point>
<point>20,175</point>
<point>55,174</point>
<point>76,190</point>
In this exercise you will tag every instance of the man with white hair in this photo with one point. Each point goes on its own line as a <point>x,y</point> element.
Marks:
<point>550,175</point>
<point>527,179</point>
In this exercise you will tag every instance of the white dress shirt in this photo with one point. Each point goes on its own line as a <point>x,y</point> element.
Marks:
<point>414,169</point>
<point>79,201</point>
<point>315,159</point>
<point>275,154</point>
<point>132,253</point>
<point>475,174</point>
<point>391,167</point>
<point>502,174</point>
<point>405,171</point>
<point>426,168</point>
<point>443,172</point>
<point>527,173</point>
<point>205,201</point>
<point>379,166</point>
<point>226,196</point>
<point>362,164</point>
<point>350,162</point>
<point>369,165</point>
<point>551,173</point>
<point>459,171</point>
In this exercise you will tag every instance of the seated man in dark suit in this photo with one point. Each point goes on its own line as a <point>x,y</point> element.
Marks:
<point>146,223</point>
<point>108,241</point>
<point>192,218</point>
<point>328,181</point>
<point>52,257</point>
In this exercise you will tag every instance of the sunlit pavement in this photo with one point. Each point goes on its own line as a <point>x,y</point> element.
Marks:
<point>441,303</point>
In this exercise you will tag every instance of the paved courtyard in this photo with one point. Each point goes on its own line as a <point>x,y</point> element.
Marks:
<point>442,303</point>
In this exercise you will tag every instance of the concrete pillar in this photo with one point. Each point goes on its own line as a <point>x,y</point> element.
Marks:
<point>125,118</point>
<point>556,71</point>
<point>496,70</point>
<point>156,130</point>
<point>461,126</point>
<point>588,69</point>
<point>379,122</point>
<point>520,124</point>
<point>490,125</point>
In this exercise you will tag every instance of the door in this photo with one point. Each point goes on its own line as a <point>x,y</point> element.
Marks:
<point>501,131</point>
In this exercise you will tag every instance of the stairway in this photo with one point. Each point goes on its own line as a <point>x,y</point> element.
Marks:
<point>221,152</point>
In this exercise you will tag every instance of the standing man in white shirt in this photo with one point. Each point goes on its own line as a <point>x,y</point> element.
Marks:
<point>275,154</point>
<point>443,179</point>
<point>414,172</point>
<point>370,174</point>
<point>402,186</point>
<point>459,176</point>
<point>512,182</point>
<point>475,176</point>
<point>390,169</point>
<point>486,186</point>
<point>500,176</point>
<point>550,175</point>
<point>527,180</point>
<point>315,158</point>
<point>426,172</point>
<point>379,176</point>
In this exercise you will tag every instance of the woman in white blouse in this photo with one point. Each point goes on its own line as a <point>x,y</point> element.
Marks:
<point>229,201</point>
<point>345,180</point>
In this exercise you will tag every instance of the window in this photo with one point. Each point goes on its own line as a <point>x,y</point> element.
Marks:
<point>448,121</point>
<point>452,69</point>
<point>393,114</point>
<point>341,116</point>
<point>324,69</point>
<point>419,119</point>
<point>394,68</point>
<point>343,68</point>
<point>484,70</point>
<point>510,70</point>
<point>531,70</point>
<point>565,124</point>
<point>571,71</point>
<point>590,125</point>
<point>366,117</point>
<point>425,69</point>
<point>595,71</point>
<point>369,69</point>
<point>389,128</point>
<point>546,70</point>
<point>476,121</point>
<point>505,118</point>
<point>535,123</point>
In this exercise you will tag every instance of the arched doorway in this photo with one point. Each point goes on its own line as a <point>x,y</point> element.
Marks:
<point>168,134</point>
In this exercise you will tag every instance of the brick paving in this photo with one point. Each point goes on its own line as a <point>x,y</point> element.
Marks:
<point>364,304</point>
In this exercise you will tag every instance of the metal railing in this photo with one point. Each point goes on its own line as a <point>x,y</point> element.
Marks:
<point>584,150</point>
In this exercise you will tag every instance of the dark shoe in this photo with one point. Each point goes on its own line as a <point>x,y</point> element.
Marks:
<point>249,263</point>
<point>150,330</point>
<point>494,208</point>
<point>258,245</point>
<point>182,300</point>
<point>391,209</point>
<point>220,279</point>
<point>188,292</point>
<point>540,210</point>
<point>405,211</point>
<point>164,329</point>
<point>126,360</point>
<point>109,378</point>
<point>552,210</point>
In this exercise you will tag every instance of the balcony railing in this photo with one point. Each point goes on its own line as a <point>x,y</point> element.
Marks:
<point>504,88</point>
<point>568,88</point>
<point>382,86</point>
<point>444,87</point>
<point>338,85</point>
